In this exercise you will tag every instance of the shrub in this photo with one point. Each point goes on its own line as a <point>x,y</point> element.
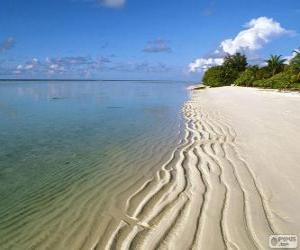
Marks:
<point>230,75</point>
<point>247,77</point>
<point>295,78</point>
<point>262,83</point>
<point>282,80</point>
<point>263,73</point>
<point>214,76</point>
<point>295,85</point>
<point>220,76</point>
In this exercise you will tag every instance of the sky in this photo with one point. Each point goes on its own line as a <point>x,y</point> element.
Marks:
<point>140,39</point>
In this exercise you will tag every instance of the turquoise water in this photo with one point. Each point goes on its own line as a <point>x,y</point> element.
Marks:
<point>70,151</point>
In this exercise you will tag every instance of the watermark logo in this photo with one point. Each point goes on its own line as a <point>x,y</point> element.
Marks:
<point>283,241</point>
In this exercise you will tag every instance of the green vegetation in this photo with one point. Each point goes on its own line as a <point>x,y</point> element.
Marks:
<point>295,62</point>
<point>247,77</point>
<point>227,73</point>
<point>275,64</point>
<point>235,70</point>
<point>219,76</point>
<point>237,62</point>
<point>281,80</point>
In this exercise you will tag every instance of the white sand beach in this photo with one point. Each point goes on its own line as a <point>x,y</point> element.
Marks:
<point>149,125</point>
<point>231,183</point>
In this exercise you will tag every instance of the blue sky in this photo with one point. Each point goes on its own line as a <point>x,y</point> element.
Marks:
<point>139,39</point>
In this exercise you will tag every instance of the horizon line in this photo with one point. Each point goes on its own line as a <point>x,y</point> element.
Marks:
<point>89,80</point>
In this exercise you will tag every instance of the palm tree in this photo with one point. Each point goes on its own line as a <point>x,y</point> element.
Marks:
<point>295,61</point>
<point>275,64</point>
<point>237,61</point>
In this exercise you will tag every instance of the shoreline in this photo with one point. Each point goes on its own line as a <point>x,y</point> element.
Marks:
<point>225,174</point>
<point>202,86</point>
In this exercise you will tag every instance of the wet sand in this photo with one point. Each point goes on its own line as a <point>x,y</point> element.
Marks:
<point>231,182</point>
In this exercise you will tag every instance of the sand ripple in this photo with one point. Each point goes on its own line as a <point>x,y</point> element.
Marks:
<point>204,197</point>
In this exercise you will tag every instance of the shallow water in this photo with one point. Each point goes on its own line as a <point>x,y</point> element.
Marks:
<point>70,152</point>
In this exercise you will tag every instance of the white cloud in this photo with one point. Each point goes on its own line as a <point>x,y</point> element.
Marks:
<point>257,33</point>
<point>29,66</point>
<point>204,63</point>
<point>113,3</point>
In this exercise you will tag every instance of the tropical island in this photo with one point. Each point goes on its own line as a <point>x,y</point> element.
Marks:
<point>276,73</point>
<point>105,144</point>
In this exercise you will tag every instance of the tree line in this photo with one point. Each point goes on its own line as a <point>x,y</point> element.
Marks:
<point>277,73</point>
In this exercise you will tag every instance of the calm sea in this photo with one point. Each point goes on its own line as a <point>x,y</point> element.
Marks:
<point>70,152</point>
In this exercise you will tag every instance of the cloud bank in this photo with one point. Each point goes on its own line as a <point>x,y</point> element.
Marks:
<point>79,66</point>
<point>257,33</point>
<point>55,66</point>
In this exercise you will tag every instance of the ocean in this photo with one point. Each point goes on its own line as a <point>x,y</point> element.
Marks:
<point>71,152</point>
